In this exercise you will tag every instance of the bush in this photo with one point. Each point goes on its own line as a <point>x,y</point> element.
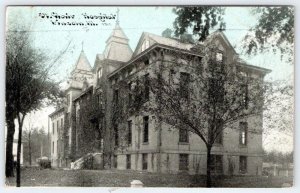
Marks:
<point>44,163</point>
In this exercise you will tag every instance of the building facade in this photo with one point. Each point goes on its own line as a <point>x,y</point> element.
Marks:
<point>56,140</point>
<point>95,121</point>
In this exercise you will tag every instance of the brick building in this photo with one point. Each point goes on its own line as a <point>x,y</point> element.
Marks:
<point>135,141</point>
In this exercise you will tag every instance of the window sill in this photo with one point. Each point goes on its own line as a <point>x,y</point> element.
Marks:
<point>183,143</point>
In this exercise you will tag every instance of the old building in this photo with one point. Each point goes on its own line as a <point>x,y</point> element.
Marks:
<point>57,146</point>
<point>134,140</point>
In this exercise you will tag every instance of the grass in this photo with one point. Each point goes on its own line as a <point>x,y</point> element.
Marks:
<point>119,178</point>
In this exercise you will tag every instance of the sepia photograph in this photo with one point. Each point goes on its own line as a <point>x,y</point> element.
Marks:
<point>149,96</point>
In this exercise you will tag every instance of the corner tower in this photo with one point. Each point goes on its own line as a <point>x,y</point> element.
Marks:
<point>117,45</point>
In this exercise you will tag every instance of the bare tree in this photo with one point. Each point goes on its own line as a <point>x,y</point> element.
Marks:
<point>28,84</point>
<point>207,96</point>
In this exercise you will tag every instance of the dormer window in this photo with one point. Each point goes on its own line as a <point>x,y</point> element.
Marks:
<point>219,57</point>
<point>145,45</point>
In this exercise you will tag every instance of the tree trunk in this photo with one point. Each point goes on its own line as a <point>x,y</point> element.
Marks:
<point>29,147</point>
<point>20,121</point>
<point>9,164</point>
<point>208,167</point>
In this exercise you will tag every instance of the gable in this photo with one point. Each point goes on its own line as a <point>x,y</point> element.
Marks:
<point>220,40</point>
<point>143,43</point>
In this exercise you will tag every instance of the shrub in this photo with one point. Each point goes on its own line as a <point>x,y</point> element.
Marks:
<point>44,163</point>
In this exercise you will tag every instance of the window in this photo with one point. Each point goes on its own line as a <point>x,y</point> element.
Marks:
<point>216,90</point>
<point>53,128</point>
<point>171,76</point>
<point>99,73</point>
<point>217,164</point>
<point>243,164</point>
<point>184,85</point>
<point>68,99</point>
<point>130,101</point>
<point>146,87</point>
<point>183,135</point>
<point>57,147</point>
<point>215,132</point>
<point>128,161</point>
<point>116,96</point>
<point>53,147</point>
<point>146,129</point>
<point>62,123</point>
<point>219,57</point>
<point>115,161</point>
<point>129,136</point>
<point>116,131</point>
<point>245,95</point>
<point>243,133</point>
<point>183,162</point>
<point>57,127</point>
<point>145,161</point>
<point>146,62</point>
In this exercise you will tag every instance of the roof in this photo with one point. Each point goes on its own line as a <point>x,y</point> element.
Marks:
<point>90,88</point>
<point>118,32</point>
<point>220,33</point>
<point>148,50</point>
<point>244,64</point>
<point>56,111</point>
<point>82,63</point>
<point>173,42</point>
<point>117,46</point>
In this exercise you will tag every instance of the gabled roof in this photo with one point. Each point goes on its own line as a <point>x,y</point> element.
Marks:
<point>223,36</point>
<point>172,42</point>
<point>82,63</point>
<point>117,46</point>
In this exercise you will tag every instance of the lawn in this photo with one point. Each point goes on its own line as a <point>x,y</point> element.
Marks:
<point>118,178</point>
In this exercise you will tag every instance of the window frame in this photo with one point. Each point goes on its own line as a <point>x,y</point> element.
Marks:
<point>115,161</point>
<point>144,161</point>
<point>116,96</point>
<point>129,134</point>
<point>183,135</point>
<point>130,95</point>
<point>217,168</point>
<point>128,161</point>
<point>146,87</point>
<point>243,164</point>
<point>99,73</point>
<point>243,135</point>
<point>184,85</point>
<point>146,129</point>
<point>183,162</point>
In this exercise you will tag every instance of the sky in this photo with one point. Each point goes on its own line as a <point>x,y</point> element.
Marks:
<point>53,38</point>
